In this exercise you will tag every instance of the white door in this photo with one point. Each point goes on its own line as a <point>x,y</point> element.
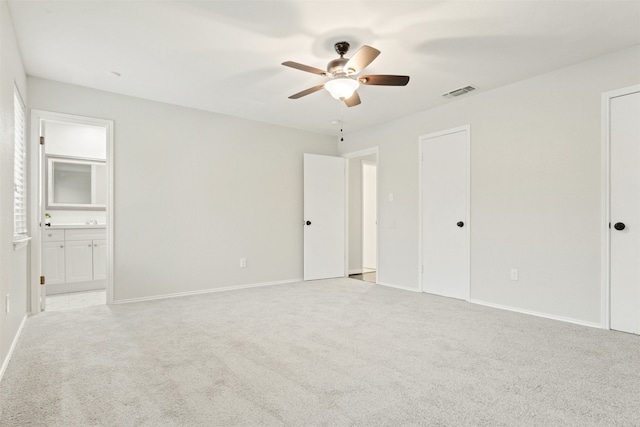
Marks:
<point>369,220</point>
<point>444,201</point>
<point>625,212</point>
<point>53,262</point>
<point>79,260</point>
<point>324,217</point>
<point>99,259</point>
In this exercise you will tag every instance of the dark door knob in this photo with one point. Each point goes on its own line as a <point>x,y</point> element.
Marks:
<point>460,224</point>
<point>308,222</point>
<point>619,226</point>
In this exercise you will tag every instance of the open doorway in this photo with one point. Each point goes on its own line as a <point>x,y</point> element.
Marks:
<point>73,212</point>
<point>362,219</point>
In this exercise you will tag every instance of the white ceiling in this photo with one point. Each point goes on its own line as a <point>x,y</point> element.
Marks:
<point>225,56</point>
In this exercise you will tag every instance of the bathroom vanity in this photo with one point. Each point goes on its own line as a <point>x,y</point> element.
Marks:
<point>74,258</point>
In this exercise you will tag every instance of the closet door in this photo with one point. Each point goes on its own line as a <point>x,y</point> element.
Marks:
<point>444,204</point>
<point>324,217</point>
<point>624,128</point>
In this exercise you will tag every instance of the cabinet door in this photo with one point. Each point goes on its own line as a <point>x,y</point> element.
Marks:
<point>53,262</point>
<point>79,260</point>
<point>99,259</point>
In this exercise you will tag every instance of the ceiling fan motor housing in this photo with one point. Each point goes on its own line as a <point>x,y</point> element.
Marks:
<point>336,66</point>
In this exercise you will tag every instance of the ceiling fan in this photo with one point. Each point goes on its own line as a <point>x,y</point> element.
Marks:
<point>344,82</point>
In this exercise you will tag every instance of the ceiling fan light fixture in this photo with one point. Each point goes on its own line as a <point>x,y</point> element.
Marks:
<point>341,87</point>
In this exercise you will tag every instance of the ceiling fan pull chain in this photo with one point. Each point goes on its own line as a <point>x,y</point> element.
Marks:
<point>341,122</point>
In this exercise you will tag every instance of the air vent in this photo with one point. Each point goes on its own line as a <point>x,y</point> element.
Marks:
<point>458,92</point>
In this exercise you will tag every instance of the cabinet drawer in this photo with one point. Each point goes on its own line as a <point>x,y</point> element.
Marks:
<point>85,234</point>
<point>53,235</point>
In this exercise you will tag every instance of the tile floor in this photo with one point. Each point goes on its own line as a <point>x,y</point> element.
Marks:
<point>367,277</point>
<point>76,300</point>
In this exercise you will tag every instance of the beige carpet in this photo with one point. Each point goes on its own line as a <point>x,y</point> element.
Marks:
<point>336,352</point>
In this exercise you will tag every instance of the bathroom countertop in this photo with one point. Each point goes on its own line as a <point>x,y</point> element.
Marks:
<point>57,226</point>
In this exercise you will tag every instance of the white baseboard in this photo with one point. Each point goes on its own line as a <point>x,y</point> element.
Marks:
<point>207,291</point>
<point>355,271</point>
<point>389,285</point>
<point>13,346</point>
<point>64,288</point>
<point>538,314</point>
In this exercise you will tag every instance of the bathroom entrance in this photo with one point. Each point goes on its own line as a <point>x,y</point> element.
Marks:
<point>73,217</point>
<point>362,215</point>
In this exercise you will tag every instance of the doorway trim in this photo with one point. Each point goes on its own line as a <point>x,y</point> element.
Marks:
<point>36,181</point>
<point>421,138</point>
<point>605,253</point>
<point>360,153</point>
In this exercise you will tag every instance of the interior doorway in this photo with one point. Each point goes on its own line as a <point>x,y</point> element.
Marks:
<point>72,214</point>
<point>363,215</point>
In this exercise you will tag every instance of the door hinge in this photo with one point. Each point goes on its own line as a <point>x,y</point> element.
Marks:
<point>42,140</point>
<point>42,280</point>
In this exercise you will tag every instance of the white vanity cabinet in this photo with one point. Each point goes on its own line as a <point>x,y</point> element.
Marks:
<point>75,260</point>
<point>99,260</point>
<point>53,256</point>
<point>79,261</point>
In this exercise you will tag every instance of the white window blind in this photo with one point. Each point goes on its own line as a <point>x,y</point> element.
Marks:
<point>19,170</point>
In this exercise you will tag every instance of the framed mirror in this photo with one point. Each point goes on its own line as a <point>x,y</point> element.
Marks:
<point>76,183</point>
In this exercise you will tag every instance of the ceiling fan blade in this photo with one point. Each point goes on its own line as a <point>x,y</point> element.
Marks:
<point>306,68</point>
<point>306,92</point>
<point>384,80</point>
<point>353,100</point>
<point>363,57</point>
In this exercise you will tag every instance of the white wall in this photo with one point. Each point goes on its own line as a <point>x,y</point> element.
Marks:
<point>13,263</point>
<point>535,187</point>
<point>71,139</point>
<point>195,192</point>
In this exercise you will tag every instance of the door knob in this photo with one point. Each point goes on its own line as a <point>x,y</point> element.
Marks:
<point>619,226</point>
<point>308,222</point>
<point>460,224</point>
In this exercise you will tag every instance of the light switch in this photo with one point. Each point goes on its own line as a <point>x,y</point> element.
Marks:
<point>391,197</point>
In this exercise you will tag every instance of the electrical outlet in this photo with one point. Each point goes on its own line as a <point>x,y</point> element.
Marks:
<point>243,262</point>
<point>514,274</point>
<point>7,306</point>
